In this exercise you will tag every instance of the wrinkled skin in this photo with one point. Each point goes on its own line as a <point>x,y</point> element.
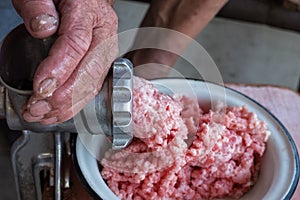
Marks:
<point>78,61</point>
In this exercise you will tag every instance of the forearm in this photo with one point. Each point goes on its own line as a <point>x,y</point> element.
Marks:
<point>186,16</point>
<point>183,20</point>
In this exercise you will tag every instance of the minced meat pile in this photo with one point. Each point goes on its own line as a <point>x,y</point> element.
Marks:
<point>181,152</point>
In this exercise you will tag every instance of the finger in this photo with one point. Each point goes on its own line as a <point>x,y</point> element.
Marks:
<point>68,113</point>
<point>29,118</point>
<point>75,35</point>
<point>40,17</point>
<point>86,81</point>
<point>39,108</point>
<point>49,121</point>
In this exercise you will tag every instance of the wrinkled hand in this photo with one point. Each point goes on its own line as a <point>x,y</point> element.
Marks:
<point>78,61</point>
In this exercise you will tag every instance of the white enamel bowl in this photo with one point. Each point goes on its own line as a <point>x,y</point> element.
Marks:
<point>280,164</point>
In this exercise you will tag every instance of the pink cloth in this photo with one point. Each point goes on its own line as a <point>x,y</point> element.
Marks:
<point>283,103</point>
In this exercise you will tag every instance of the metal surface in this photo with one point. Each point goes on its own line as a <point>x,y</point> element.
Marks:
<point>19,57</point>
<point>67,156</point>
<point>41,163</point>
<point>24,154</point>
<point>58,161</point>
<point>110,112</point>
<point>122,103</point>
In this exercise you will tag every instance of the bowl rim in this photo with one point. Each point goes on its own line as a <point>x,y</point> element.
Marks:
<point>296,173</point>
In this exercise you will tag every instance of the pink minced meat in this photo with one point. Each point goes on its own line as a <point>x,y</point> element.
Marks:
<point>221,160</point>
<point>156,117</point>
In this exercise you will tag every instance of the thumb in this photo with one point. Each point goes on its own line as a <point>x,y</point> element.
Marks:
<point>40,17</point>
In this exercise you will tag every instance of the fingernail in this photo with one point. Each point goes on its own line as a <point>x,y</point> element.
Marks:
<point>47,87</point>
<point>29,118</point>
<point>40,108</point>
<point>33,102</point>
<point>43,22</point>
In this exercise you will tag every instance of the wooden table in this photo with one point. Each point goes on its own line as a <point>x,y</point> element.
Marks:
<point>283,103</point>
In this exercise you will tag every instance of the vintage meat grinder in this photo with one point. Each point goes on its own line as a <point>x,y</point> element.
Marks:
<point>38,154</point>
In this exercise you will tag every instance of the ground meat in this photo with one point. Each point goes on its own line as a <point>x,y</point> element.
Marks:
<point>220,158</point>
<point>156,117</point>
